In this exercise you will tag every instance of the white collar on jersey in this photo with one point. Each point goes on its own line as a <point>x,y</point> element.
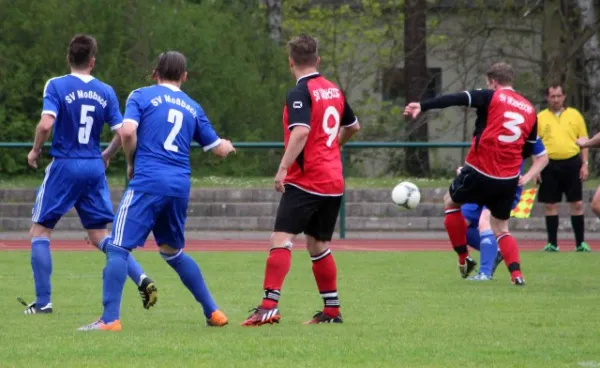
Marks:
<point>170,86</point>
<point>306,76</point>
<point>509,88</point>
<point>84,77</point>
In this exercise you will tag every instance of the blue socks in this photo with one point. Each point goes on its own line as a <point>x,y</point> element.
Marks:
<point>41,263</point>
<point>134,270</point>
<point>473,238</point>
<point>489,251</point>
<point>114,277</point>
<point>190,275</point>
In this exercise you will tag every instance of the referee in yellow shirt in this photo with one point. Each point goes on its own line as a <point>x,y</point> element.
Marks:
<point>559,127</point>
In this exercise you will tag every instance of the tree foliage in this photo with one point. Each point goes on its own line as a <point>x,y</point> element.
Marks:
<point>235,72</point>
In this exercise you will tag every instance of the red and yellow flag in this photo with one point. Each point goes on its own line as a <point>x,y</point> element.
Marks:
<point>525,205</point>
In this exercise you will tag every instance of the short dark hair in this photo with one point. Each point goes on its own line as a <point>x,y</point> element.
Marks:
<point>304,50</point>
<point>554,85</point>
<point>171,66</point>
<point>502,73</point>
<point>82,49</point>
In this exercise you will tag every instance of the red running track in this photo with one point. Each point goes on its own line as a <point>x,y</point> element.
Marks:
<point>378,245</point>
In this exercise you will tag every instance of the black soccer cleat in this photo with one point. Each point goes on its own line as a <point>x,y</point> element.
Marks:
<point>518,281</point>
<point>32,308</point>
<point>497,262</point>
<point>148,292</point>
<point>321,317</point>
<point>466,269</point>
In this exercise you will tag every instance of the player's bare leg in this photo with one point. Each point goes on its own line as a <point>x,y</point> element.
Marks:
<point>456,226</point>
<point>278,265</point>
<point>41,264</point>
<point>325,272</point>
<point>509,249</point>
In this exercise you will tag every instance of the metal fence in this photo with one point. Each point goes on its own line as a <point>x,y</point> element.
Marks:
<point>279,145</point>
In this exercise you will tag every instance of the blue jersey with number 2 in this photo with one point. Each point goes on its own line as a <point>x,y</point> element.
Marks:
<point>167,120</point>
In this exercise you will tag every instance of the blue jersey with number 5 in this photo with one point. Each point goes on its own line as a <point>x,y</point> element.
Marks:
<point>167,120</point>
<point>81,105</point>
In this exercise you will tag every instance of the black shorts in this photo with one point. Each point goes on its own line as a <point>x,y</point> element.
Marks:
<point>561,176</point>
<point>497,195</point>
<point>311,214</point>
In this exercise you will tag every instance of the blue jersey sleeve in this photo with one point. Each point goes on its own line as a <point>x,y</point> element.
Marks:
<point>538,147</point>
<point>51,100</point>
<point>133,107</point>
<point>114,117</point>
<point>204,134</point>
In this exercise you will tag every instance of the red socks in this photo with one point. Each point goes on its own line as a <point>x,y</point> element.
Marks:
<point>325,272</point>
<point>278,266</point>
<point>510,252</point>
<point>456,226</point>
<point>324,269</point>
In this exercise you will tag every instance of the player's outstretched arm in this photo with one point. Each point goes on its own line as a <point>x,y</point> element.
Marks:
<point>584,142</point>
<point>224,148</point>
<point>539,163</point>
<point>42,133</point>
<point>346,132</point>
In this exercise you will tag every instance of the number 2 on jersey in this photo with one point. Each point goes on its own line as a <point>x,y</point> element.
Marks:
<point>514,119</point>
<point>85,122</point>
<point>175,117</point>
<point>332,132</point>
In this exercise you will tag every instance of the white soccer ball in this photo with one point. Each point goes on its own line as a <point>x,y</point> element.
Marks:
<point>406,195</point>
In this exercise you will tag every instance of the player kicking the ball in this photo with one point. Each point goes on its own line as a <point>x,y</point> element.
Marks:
<point>76,106</point>
<point>506,122</point>
<point>311,180</point>
<point>479,232</point>
<point>160,123</point>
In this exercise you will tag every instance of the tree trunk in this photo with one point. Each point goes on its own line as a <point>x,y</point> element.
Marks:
<point>591,61</point>
<point>553,45</point>
<point>274,19</point>
<point>416,80</point>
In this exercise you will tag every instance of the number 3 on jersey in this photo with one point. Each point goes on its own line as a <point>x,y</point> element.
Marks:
<point>332,132</point>
<point>175,117</point>
<point>514,119</point>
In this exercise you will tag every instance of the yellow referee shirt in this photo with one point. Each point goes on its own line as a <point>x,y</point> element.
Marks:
<point>560,131</point>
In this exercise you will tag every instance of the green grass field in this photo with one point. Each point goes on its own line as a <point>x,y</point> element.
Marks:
<point>400,310</point>
<point>117,181</point>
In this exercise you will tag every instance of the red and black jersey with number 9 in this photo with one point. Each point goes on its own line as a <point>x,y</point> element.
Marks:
<point>320,106</point>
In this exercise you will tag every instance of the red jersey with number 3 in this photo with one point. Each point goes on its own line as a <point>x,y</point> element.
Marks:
<point>505,122</point>
<point>319,105</point>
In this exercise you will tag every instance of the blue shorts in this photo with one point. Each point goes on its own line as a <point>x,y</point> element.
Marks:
<point>79,183</point>
<point>472,211</point>
<point>139,213</point>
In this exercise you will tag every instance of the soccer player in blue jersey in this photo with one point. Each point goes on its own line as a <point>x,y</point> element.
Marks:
<point>479,232</point>
<point>161,121</point>
<point>76,106</point>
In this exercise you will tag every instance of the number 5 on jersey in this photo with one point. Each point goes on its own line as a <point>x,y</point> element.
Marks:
<point>85,123</point>
<point>514,120</point>
<point>175,117</point>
